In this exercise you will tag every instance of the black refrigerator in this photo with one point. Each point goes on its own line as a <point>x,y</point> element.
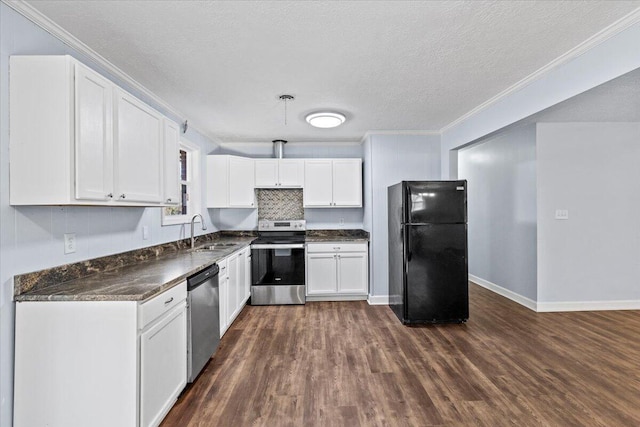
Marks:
<point>428,271</point>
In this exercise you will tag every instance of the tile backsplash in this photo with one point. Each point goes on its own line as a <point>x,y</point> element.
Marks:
<point>280,204</point>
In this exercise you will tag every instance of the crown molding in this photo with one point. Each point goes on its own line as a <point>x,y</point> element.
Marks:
<point>35,16</point>
<point>620,25</point>
<point>399,132</point>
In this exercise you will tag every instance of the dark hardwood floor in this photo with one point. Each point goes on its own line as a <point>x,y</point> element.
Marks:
<point>351,364</point>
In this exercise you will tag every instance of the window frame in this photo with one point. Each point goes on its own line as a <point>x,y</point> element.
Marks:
<point>193,182</point>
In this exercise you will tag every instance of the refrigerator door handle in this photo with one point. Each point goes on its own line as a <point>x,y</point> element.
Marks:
<point>408,244</point>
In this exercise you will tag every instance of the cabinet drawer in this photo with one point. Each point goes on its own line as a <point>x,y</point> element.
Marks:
<point>336,247</point>
<point>155,307</point>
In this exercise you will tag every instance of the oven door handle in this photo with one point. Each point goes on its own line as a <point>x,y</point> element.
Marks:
<point>279,246</point>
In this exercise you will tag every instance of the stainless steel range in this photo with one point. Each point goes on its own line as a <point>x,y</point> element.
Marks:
<point>277,262</point>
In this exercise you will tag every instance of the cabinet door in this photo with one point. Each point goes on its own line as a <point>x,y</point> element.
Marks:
<point>94,136</point>
<point>266,172</point>
<point>138,151</point>
<point>171,163</point>
<point>217,181</point>
<point>223,285</point>
<point>352,273</point>
<point>318,183</point>
<point>163,366</point>
<point>232,295</point>
<point>347,182</point>
<point>242,271</point>
<point>291,172</point>
<point>321,274</point>
<point>241,183</point>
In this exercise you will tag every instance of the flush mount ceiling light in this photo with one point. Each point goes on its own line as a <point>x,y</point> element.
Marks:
<point>325,119</point>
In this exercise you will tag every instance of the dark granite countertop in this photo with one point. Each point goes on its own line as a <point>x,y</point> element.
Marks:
<point>144,273</point>
<point>137,281</point>
<point>339,235</point>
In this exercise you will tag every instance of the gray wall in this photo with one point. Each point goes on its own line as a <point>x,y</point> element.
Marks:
<point>501,175</point>
<point>590,169</point>
<point>31,237</point>
<point>318,218</point>
<point>394,158</point>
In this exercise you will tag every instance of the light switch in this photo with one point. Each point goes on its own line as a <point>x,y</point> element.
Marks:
<point>145,232</point>
<point>562,214</point>
<point>69,243</point>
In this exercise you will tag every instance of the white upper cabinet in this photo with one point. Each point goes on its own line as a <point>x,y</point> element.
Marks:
<point>230,182</point>
<point>266,171</point>
<point>279,173</point>
<point>171,162</point>
<point>318,183</point>
<point>333,183</point>
<point>138,143</point>
<point>76,138</point>
<point>94,136</point>
<point>347,182</point>
<point>241,182</point>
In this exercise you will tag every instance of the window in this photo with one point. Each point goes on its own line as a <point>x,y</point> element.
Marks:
<point>188,158</point>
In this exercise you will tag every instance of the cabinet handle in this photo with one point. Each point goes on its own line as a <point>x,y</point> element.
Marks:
<point>123,196</point>
<point>169,200</point>
<point>338,256</point>
<point>336,248</point>
<point>110,195</point>
<point>223,268</point>
<point>168,301</point>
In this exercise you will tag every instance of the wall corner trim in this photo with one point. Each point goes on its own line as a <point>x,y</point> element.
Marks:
<point>529,303</point>
<point>620,25</point>
<point>378,299</point>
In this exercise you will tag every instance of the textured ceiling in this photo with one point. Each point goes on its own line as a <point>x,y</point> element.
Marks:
<point>388,65</point>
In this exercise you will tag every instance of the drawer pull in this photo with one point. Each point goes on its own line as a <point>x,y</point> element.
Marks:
<point>337,248</point>
<point>168,301</point>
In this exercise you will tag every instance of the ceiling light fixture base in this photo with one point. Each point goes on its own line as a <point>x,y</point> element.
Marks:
<point>325,119</point>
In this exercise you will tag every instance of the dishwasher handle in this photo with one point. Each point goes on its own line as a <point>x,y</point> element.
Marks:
<point>202,276</point>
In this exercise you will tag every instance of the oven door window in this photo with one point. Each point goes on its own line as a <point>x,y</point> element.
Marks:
<point>277,266</point>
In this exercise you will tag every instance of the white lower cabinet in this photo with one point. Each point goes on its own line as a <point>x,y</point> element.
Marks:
<point>163,364</point>
<point>99,363</point>
<point>235,286</point>
<point>337,269</point>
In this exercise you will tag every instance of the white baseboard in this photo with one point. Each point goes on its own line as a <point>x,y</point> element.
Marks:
<point>529,303</point>
<point>588,305</point>
<point>547,307</point>
<point>378,300</point>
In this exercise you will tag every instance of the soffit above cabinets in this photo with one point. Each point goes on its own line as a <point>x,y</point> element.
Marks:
<point>387,65</point>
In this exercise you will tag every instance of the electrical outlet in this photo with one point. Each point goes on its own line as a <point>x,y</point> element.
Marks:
<point>69,243</point>
<point>562,214</point>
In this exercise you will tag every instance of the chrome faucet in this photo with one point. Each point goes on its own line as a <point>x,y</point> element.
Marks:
<point>204,227</point>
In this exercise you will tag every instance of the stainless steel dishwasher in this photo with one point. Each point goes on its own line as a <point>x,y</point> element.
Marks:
<point>203,319</point>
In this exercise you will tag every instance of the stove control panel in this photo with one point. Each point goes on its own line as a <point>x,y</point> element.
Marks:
<point>282,225</point>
